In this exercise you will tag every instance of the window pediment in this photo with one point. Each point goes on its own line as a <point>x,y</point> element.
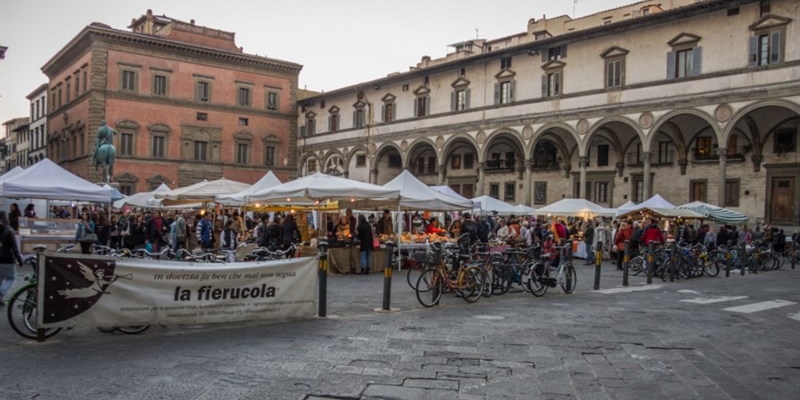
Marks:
<point>271,138</point>
<point>769,21</point>
<point>389,98</point>
<point>359,104</point>
<point>333,110</point>
<point>127,124</point>
<point>311,115</point>
<point>459,83</point>
<point>555,64</point>
<point>684,39</point>
<point>505,74</point>
<point>614,51</point>
<point>127,178</point>
<point>159,128</point>
<point>243,136</point>
<point>422,91</point>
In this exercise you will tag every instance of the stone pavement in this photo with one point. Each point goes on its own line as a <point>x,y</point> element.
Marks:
<point>708,338</point>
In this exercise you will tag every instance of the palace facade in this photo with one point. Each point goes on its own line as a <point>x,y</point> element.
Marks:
<point>187,103</point>
<point>693,100</point>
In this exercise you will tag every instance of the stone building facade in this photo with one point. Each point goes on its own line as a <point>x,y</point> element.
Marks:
<point>37,131</point>
<point>187,103</point>
<point>693,100</point>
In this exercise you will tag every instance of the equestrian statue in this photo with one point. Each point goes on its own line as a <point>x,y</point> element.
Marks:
<point>105,153</point>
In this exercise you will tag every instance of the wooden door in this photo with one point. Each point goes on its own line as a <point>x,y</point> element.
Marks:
<point>783,204</point>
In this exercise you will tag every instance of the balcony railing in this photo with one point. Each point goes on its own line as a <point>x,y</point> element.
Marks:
<point>500,165</point>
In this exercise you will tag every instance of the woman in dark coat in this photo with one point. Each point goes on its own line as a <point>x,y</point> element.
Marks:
<point>289,232</point>
<point>364,235</point>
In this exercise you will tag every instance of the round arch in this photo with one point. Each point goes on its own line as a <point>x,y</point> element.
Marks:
<point>744,111</point>
<point>646,143</point>
<point>511,135</point>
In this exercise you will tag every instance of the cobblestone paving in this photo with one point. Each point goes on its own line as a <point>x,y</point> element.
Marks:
<point>670,341</point>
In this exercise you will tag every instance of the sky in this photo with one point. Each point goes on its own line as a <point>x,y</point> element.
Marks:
<point>339,43</point>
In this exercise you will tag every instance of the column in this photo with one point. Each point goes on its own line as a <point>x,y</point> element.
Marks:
<point>527,185</point>
<point>479,189</point>
<point>441,175</point>
<point>723,163</point>
<point>583,161</point>
<point>646,178</point>
<point>373,176</point>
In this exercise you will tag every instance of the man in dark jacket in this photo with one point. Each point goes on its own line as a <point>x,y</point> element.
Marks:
<point>9,253</point>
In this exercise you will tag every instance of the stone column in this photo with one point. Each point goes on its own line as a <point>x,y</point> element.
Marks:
<point>373,176</point>
<point>479,189</point>
<point>646,178</point>
<point>441,175</point>
<point>723,163</point>
<point>527,185</point>
<point>583,162</point>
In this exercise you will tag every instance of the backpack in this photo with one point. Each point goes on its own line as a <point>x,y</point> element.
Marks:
<point>484,229</point>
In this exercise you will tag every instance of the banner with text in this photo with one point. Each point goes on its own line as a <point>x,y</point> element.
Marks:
<point>77,290</point>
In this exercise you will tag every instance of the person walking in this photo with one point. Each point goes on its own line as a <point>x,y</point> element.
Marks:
<point>290,233</point>
<point>588,239</point>
<point>13,216</point>
<point>85,234</point>
<point>364,235</point>
<point>205,232</point>
<point>9,253</point>
<point>623,234</point>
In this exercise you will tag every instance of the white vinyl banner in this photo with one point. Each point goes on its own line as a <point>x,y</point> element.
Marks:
<point>82,290</point>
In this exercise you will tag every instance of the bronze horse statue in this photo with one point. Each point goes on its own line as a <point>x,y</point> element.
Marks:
<point>105,152</point>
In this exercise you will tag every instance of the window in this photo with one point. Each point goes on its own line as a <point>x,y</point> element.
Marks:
<point>361,160</point>
<point>460,100</point>
<point>159,146</point>
<point>311,166</point>
<point>358,118</point>
<point>509,195</point>
<point>703,149</point>
<point>389,113</point>
<point>244,121</point>
<point>455,161</point>
<point>69,90</point>
<point>203,91</point>
<point>602,155</point>
<point>405,87</point>
<point>766,47</point>
<point>159,85</point>
<point>269,156</point>
<point>665,152</point>
<point>551,84</point>
<point>311,124</point>
<point>200,150</point>
<point>126,144</point>
<point>698,190</point>
<point>333,119</point>
<point>684,61</point>
<point>85,77</point>
<point>505,63</point>
<point>785,142</point>
<point>504,92</point>
<point>421,106</point>
<point>421,165</point>
<point>244,97</point>
<point>494,190</point>
<point>242,153</point>
<point>201,116</point>
<point>554,53</point>
<point>395,161</point>
<point>601,192</point>
<point>764,8</point>
<point>638,189</point>
<point>732,192</point>
<point>614,70</point>
<point>77,84</point>
<point>128,80</point>
<point>469,161</point>
<point>272,100</point>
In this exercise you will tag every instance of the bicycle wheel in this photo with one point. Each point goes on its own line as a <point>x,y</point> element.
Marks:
<point>471,286</point>
<point>570,279</point>
<point>133,330</point>
<point>412,275</point>
<point>430,286</point>
<point>636,265</point>
<point>710,268</point>
<point>503,276</point>
<point>534,280</point>
<point>23,313</point>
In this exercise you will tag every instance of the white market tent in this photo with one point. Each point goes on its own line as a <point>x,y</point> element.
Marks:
<point>576,207</point>
<point>319,187</point>
<point>490,204</point>
<point>629,205</point>
<point>115,194</point>
<point>663,213</point>
<point>526,210</point>
<point>47,180</point>
<point>11,173</point>
<point>148,200</point>
<point>452,193</point>
<point>238,199</point>
<point>415,195</point>
<point>715,213</point>
<point>202,192</point>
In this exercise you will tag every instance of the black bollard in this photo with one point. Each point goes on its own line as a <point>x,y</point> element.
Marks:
<point>795,253</point>
<point>387,277</point>
<point>650,263</point>
<point>322,275</point>
<point>626,258</point>
<point>727,263</point>
<point>598,261</point>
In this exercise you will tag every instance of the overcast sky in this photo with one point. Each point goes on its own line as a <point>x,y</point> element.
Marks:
<point>339,43</point>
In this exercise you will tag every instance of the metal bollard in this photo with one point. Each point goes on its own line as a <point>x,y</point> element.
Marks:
<point>673,257</point>
<point>387,277</point>
<point>795,253</point>
<point>598,261</point>
<point>322,276</point>
<point>650,263</point>
<point>626,258</point>
<point>727,263</point>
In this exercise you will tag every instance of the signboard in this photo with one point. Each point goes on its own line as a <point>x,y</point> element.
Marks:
<point>83,290</point>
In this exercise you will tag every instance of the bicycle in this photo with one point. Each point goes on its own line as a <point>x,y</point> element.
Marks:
<point>543,275</point>
<point>22,305</point>
<point>467,281</point>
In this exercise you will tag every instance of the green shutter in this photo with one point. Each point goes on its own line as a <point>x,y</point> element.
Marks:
<point>671,65</point>
<point>453,101</point>
<point>753,53</point>
<point>466,99</point>
<point>697,61</point>
<point>496,93</point>
<point>775,48</point>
